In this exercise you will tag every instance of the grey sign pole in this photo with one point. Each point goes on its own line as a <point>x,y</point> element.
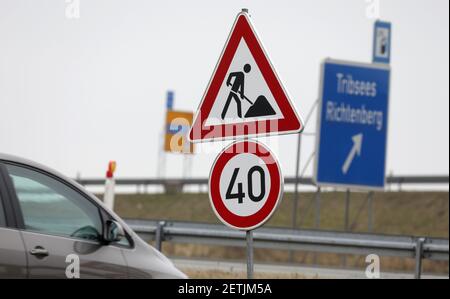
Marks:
<point>370,212</point>
<point>297,173</point>
<point>296,195</point>
<point>347,211</point>
<point>250,263</point>
<point>297,168</point>
<point>317,217</point>
<point>346,221</point>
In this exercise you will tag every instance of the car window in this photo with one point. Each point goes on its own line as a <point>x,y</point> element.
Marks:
<point>51,207</point>
<point>2,213</point>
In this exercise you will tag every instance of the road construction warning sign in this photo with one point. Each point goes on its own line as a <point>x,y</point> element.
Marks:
<point>245,96</point>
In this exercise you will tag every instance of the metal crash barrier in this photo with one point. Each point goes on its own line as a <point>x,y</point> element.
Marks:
<point>142,183</point>
<point>418,248</point>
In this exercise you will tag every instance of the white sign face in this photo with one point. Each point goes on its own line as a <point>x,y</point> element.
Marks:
<point>245,175</point>
<point>245,185</point>
<point>243,78</point>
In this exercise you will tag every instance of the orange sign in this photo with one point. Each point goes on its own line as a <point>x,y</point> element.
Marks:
<point>178,125</point>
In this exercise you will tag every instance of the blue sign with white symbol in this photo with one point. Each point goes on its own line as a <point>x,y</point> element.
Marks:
<point>352,125</point>
<point>382,42</point>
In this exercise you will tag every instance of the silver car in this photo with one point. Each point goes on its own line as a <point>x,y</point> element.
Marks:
<point>51,227</point>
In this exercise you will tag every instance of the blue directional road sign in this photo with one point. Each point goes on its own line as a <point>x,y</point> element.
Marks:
<point>352,125</point>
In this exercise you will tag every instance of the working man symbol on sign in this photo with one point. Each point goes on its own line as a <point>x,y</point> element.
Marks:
<point>260,107</point>
<point>245,96</point>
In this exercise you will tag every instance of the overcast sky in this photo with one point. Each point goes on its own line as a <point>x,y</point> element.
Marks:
<point>75,93</point>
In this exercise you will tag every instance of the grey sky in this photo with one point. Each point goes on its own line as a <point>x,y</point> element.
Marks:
<point>75,93</point>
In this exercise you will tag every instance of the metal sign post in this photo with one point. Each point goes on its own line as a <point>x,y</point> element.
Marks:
<point>317,214</point>
<point>297,173</point>
<point>347,211</point>
<point>297,169</point>
<point>370,211</point>
<point>250,262</point>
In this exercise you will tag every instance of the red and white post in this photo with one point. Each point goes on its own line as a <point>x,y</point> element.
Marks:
<point>108,197</point>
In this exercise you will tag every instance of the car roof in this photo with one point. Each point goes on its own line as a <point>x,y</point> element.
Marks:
<point>19,160</point>
<point>23,161</point>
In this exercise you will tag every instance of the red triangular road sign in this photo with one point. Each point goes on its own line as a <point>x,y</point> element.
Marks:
<point>245,96</point>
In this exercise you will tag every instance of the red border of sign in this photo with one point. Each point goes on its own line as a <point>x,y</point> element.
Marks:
<point>275,194</point>
<point>291,123</point>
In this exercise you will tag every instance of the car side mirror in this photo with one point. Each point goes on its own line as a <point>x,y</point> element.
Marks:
<point>114,231</point>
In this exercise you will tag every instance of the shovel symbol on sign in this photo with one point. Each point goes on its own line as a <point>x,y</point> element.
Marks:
<point>258,108</point>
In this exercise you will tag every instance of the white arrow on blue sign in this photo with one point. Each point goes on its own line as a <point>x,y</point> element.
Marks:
<point>352,125</point>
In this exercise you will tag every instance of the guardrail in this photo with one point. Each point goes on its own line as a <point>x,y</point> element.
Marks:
<point>418,248</point>
<point>391,180</point>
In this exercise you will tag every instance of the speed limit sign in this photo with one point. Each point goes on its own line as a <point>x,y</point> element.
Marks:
<point>245,185</point>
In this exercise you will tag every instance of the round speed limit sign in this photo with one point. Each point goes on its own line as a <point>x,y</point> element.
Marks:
<point>245,185</point>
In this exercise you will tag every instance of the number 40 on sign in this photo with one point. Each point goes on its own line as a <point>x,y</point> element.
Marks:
<point>246,185</point>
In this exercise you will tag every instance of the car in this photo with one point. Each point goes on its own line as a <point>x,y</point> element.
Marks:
<point>52,227</point>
